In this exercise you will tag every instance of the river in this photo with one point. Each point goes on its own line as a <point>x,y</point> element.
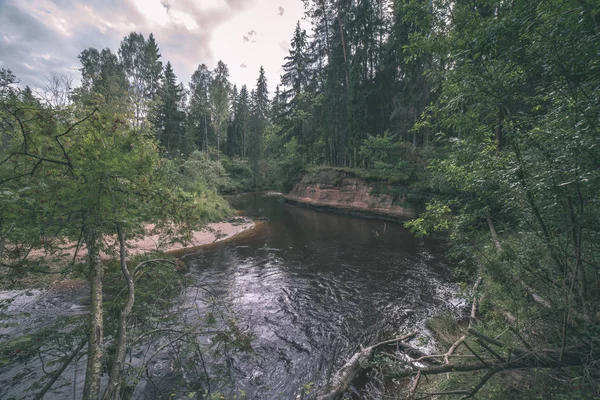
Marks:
<point>308,287</point>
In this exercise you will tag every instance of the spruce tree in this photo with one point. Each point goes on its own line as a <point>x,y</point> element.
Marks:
<point>152,69</point>
<point>260,114</point>
<point>171,117</point>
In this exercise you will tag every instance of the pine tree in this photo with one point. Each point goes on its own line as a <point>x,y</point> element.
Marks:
<point>242,116</point>
<point>295,68</point>
<point>261,96</point>
<point>277,105</point>
<point>232,131</point>
<point>295,80</point>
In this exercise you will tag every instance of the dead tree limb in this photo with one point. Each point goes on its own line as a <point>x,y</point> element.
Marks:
<point>473,317</point>
<point>342,379</point>
<point>540,359</point>
<point>415,385</point>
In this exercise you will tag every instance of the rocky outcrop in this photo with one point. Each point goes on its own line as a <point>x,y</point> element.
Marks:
<point>350,194</point>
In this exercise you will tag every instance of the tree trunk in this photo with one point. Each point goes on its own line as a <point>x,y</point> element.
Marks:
<point>500,119</point>
<point>493,231</point>
<point>116,370</point>
<point>327,47</point>
<point>93,372</point>
<point>205,136</point>
<point>344,49</point>
<point>218,141</point>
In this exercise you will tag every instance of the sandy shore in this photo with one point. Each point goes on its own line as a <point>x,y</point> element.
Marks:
<point>212,233</point>
<point>56,261</point>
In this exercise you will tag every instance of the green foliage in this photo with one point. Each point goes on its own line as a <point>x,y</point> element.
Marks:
<point>436,218</point>
<point>220,96</point>
<point>517,176</point>
<point>389,159</point>
<point>240,175</point>
<point>196,174</point>
<point>169,118</point>
<point>283,164</point>
<point>157,285</point>
<point>95,170</point>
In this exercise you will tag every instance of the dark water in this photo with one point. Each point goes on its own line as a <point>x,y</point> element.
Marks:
<point>310,287</point>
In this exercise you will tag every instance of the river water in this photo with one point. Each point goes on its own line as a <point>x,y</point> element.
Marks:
<point>309,287</point>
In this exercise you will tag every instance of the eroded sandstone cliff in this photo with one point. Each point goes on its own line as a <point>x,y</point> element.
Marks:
<point>351,194</point>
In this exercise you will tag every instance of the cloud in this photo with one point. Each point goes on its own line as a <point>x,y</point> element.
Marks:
<point>280,11</point>
<point>42,36</point>
<point>239,4</point>
<point>38,37</point>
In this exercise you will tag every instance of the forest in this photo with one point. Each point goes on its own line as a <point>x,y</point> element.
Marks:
<point>484,114</point>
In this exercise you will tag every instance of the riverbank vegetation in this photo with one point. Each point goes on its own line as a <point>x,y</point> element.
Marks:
<point>487,111</point>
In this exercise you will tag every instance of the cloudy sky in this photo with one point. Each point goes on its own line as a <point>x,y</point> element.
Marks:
<point>42,36</point>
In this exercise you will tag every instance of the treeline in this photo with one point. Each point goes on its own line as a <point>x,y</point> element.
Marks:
<point>211,116</point>
<point>349,96</point>
<point>354,78</point>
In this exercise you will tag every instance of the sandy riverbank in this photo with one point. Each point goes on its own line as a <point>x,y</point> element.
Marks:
<point>53,263</point>
<point>213,233</point>
<point>151,243</point>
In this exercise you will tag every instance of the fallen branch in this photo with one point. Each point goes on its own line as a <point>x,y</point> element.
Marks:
<point>342,379</point>
<point>448,393</point>
<point>473,317</point>
<point>453,348</point>
<point>413,390</point>
<point>486,338</point>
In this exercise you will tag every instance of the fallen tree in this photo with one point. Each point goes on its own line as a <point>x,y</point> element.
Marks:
<point>493,361</point>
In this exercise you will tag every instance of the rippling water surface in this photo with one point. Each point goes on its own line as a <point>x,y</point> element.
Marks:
<point>312,286</point>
